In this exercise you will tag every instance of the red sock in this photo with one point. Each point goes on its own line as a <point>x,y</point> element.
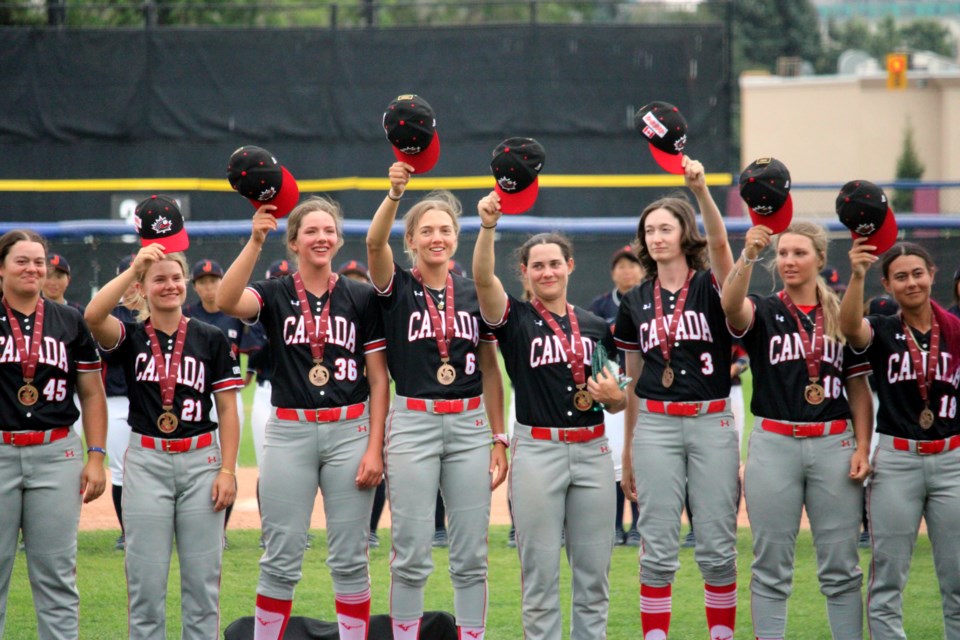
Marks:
<point>655,606</point>
<point>721,605</point>
<point>353,615</point>
<point>271,618</point>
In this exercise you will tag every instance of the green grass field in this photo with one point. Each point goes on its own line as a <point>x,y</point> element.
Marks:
<point>103,593</point>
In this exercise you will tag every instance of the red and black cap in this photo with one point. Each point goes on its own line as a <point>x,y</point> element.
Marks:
<point>206,268</point>
<point>516,167</point>
<point>665,129</point>
<point>255,173</point>
<point>411,127</point>
<point>765,187</point>
<point>883,305</point>
<point>58,263</point>
<point>353,266</point>
<point>158,220</point>
<point>456,268</point>
<point>864,209</point>
<point>278,268</point>
<point>831,276</point>
<point>624,252</point>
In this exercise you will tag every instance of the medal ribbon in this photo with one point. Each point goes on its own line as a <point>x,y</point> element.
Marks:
<point>28,360</point>
<point>812,352</point>
<point>664,336</point>
<point>167,374</point>
<point>443,338</point>
<point>317,342</point>
<point>574,357</point>
<point>924,378</point>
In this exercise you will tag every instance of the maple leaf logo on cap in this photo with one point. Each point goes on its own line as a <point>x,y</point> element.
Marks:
<point>162,225</point>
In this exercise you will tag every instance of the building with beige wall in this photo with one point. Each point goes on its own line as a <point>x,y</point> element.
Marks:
<point>830,129</point>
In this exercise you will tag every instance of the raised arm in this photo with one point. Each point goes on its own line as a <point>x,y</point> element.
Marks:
<point>490,293</point>
<point>232,296</point>
<point>105,327</point>
<point>721,257</point>
<point>852,323</point>
<point>733,299</point>
<point>379,253</point>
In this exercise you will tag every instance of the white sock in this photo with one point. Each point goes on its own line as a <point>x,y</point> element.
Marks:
<point>406,629</point>
<point>267,624</point>
<point>470,633</point>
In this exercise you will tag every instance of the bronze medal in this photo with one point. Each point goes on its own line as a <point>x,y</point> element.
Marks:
<point>446,374</point>
<point>926,418</point>
<point>319,375</point>
<point>28,395</point>
<point>167,422</point>
<point>813,393</point>
<point>582,400</point>
<point>667,378</point>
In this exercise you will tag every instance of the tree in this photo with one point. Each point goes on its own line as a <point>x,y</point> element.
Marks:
<point>909,167</point>
<point>764,30</point>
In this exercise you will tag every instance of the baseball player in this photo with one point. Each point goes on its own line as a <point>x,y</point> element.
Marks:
<point>448,387</point>
<point>678,423</point>
<point>58,280</point>
<point>811,438</point>
<point>626,273</point>
<point>330,394</point>
<point>561,477</point>
<point>177,479</point>
<point>118,404</point>
<point>46,357</point>
<point>916,466</point>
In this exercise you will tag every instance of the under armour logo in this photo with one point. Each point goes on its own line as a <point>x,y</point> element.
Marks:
<point>295,303</point>
<point>362,428</point>
<point>724,423</point>
<point>647,306</point>
<point>478,423</point>
<point>779,318</point>
<point>211,459</point>
<point>901,336</point>
<point>539,323</point>
<point>69,453</point>
<point>418,293</point>
<point>604,449</point>
<point>845,444</point>
<point>406,626</point>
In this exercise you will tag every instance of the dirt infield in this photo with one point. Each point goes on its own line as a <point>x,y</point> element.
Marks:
<point>99,514</point>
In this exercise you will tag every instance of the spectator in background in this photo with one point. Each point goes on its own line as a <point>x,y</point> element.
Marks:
<point>955,307</point>
<point>355,270</point>
<point>58,280</point>
<point>626,273</point>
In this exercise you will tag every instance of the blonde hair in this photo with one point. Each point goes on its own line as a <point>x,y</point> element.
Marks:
<point>440,200</point>
<point>310,205</point>
<point>143,314</point>
<point>827,297</point>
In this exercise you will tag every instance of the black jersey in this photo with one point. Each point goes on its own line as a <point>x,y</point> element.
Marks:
<point>231,327</point>
<point>780,376</point>
<point>67,349</point>
<point>900,403</point>
<point>114,379</point>
<point>700,354</point>
<point>355,329</point>
<point>537,363</point>
<point>207,367</point>
<point>412,351</point>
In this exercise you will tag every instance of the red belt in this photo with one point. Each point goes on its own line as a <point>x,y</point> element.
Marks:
<point>443,406</point>
<point>926,447</point>
<point>31,438</point>
<point>685,408</point>
<point>573,434</point>
<point>331,414</point>
<point>177,445</point>
<point>807,430</point>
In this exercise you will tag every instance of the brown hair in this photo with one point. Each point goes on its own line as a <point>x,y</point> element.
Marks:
<point>311,204</point>
<point>905,249</point>
<point>14,236</point>
<point>692,244</point>
<point>442,201</point>
<point>827,297</point>
<point>523,253</point>
<point>144,312</point>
